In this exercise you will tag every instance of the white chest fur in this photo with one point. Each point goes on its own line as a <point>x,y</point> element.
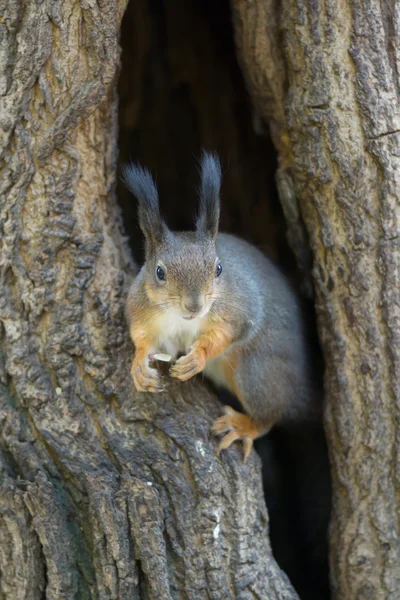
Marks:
<point>175,334</point>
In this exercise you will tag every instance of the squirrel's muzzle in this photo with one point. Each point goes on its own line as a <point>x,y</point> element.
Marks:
<point>194,304</point>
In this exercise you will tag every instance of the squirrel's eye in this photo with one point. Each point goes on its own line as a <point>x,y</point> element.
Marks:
<point>160,273</point>
<point>218,270</point>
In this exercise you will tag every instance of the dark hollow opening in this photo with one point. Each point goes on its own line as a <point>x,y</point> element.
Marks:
<point>181,90</point>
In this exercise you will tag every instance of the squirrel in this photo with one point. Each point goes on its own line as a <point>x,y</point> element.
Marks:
<point>219,306</point>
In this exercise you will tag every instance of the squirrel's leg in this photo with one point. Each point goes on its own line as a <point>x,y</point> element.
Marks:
<point>145,378</point>
<point>238,426</point>
<point>207,346</point>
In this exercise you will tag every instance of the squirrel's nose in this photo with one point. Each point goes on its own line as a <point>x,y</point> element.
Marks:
<point>194,308</point>
<point>193,305</point>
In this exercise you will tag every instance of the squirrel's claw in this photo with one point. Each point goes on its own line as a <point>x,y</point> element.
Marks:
<point>247,446</point>
<point>227,440</point>
<point>239,427</point>
<point>146,379</point>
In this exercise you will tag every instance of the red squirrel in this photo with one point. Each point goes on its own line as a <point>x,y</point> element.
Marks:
<point>221,303</point>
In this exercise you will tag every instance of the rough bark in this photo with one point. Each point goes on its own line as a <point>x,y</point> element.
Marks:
<point>104,493</point>
<point>337,101</point>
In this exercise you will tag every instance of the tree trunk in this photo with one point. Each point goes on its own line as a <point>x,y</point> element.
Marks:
<point>326,76</point>
<point>105,493</point>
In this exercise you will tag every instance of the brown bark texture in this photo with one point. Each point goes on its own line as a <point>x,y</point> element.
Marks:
<point>326,75</point>
<point>104,493</point>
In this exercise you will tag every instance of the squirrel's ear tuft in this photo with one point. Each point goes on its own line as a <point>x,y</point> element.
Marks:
<point>140,182</point>
<point>210,171</point>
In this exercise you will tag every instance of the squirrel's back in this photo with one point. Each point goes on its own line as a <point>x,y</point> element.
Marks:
<point>273,350</point>
<point>256,285</point>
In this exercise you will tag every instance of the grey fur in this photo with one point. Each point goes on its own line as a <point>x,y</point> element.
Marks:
<point>140,182</point>
<point>210,172</point>
<point>274,372</point>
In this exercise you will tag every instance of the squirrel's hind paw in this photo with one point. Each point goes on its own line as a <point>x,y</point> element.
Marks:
<point>237,426</point>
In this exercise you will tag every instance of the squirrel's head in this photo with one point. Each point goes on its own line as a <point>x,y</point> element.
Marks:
<point>183,271</point>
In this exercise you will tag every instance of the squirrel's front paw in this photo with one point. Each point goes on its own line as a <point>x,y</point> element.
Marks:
<point>146,379</point>
<point>189,365</point>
